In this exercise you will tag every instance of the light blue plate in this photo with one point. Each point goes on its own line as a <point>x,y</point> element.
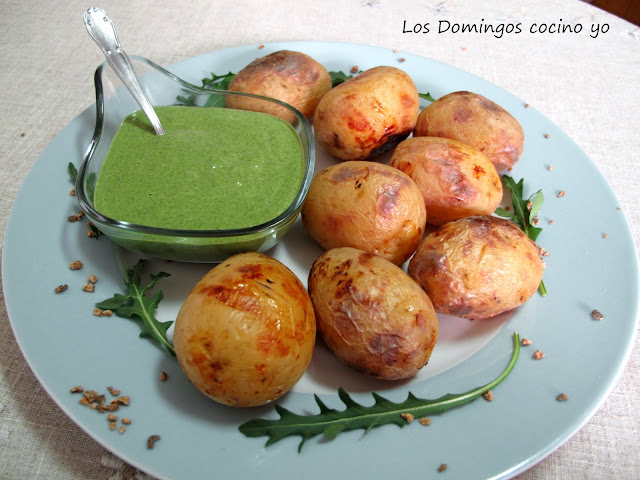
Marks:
<point>66,345</point>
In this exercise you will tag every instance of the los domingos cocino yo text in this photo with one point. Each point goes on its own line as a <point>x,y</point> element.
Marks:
<point>500,29</point>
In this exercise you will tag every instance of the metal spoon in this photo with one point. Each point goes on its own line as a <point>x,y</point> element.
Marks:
<point>104,33</point>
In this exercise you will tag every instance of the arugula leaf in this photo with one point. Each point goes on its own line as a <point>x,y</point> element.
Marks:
<point>136,303</point>
<point>339,77</point>
<point>73,172</point>
<point>330,422</point>
<point>427,96</point>
<point>524,212</point>
<point>219,82</point>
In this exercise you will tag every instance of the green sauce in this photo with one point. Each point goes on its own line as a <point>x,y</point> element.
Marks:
<point>213,169</point>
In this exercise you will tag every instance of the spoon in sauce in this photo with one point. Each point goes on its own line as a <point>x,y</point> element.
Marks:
<point>103,32</point>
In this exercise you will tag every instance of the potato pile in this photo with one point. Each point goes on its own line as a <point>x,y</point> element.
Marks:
<point>244,335</point>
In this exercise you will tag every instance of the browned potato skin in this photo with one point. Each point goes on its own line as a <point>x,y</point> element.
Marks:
<point>477,267</point>
<point>245,334</point>
<point>365,205</point>
<point>368,114</point>
<point>371,314</point>
<point>291,77</point>
<point>456,179</point>
<point>473,119</point>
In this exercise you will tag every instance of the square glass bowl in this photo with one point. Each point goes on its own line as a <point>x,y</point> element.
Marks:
<point>113,104</point>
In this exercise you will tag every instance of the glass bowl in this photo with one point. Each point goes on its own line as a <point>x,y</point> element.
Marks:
<point>113,104</point>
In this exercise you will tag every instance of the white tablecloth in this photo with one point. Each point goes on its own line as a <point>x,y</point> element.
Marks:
<point>587,86</point>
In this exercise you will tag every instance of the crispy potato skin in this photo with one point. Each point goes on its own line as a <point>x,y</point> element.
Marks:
<point>456,179</point>
<point>477,267</point>
<point>368,114</point>
<point>292,77</point>
<point>371,314</point>
<point>245,334</point>
<point>473,119</point>
<point>365,205</point>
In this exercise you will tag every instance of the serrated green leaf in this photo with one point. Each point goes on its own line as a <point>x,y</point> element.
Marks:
<point>331,423</point>
<point>73,172</point>
<point>137,305</point>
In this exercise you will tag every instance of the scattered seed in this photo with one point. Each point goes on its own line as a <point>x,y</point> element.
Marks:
<point>93,279</point>
<point>61,288</point>
<point>112,426</point>
<point>97,312</point>
<point>75,265</point>
<point>112,418</point>
<point>562,397</point>
<point>122,400</point>
<point>72,192</point>
<point>113,391</point>
<point>114,407</point>
<point>442,467</point>
<point>408,417</point>
<point>84,401</point>
<point>260,47</point>
<point>549,167</point>
<point>546,135</point>
<point>77,389</point>
<point>402,60</point>
<point>122,429</point>
<point>561,193</point>
<point>395,50</point>
<point>426,421</point>
<point>91,234</point>
<point>526,105</point>
<point>606,235</point>
<point>542,252</point>
<point>151,441</point>
<point>525,342</point>
<point>89,287</point>
<point>163,376</point>
<point>597,315</point>
<point>464,49</point>
<point>538,355</point>
<point>126,421</point>
<point>488,396</point>
<point>354,69</point>
<point>550,222</point>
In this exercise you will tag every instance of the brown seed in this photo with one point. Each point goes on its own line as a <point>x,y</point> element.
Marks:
<point>113,407</point>
<point>151,441</point>
<point>561,193</point>
<point>124,400</point>
<point>488,396</point>
<point>75,265</point>
<point>97,312</point>
<point>72,192</point>
<point>107,313</point>
<point>538,355</point>
<point>126,421</point>
<point>562,397</point>
<point>606,235</point>
<point>442,467</point>
<point>401,60</point>
<point>112,426</point>
<point>549,168</point>
<point>112,418</point>
<point>72,218</point>
<point>525,342</point>
<point>426,421</point>
<point>77,389</point>
<point>526,105</point>
<point>408,417</point>
<point>89,287</point>
<point>91,234</point>
<point>597,315</point>
<point>61,288</point>
<point>163,376</point>
<point>546,135</point>
<point>113,391</point>
<point>122,429</point>
<point>93,279</point>
<point>260,47</point>
<point>354,69</point>
<point>84,401</point>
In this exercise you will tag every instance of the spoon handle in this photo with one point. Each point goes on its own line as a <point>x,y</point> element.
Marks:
<point>103,32</point>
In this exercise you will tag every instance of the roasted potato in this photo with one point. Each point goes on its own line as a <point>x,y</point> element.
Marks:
<point>368,114</point>
<point>477,267</point>
<point>473,119</point>
<point>456,179</point>
<point>365,205</point>
<point>245,334</point>
<point>371,314</point>
<point>291,77</point>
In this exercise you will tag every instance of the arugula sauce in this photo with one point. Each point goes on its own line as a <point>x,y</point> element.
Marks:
<point>213,169</point>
